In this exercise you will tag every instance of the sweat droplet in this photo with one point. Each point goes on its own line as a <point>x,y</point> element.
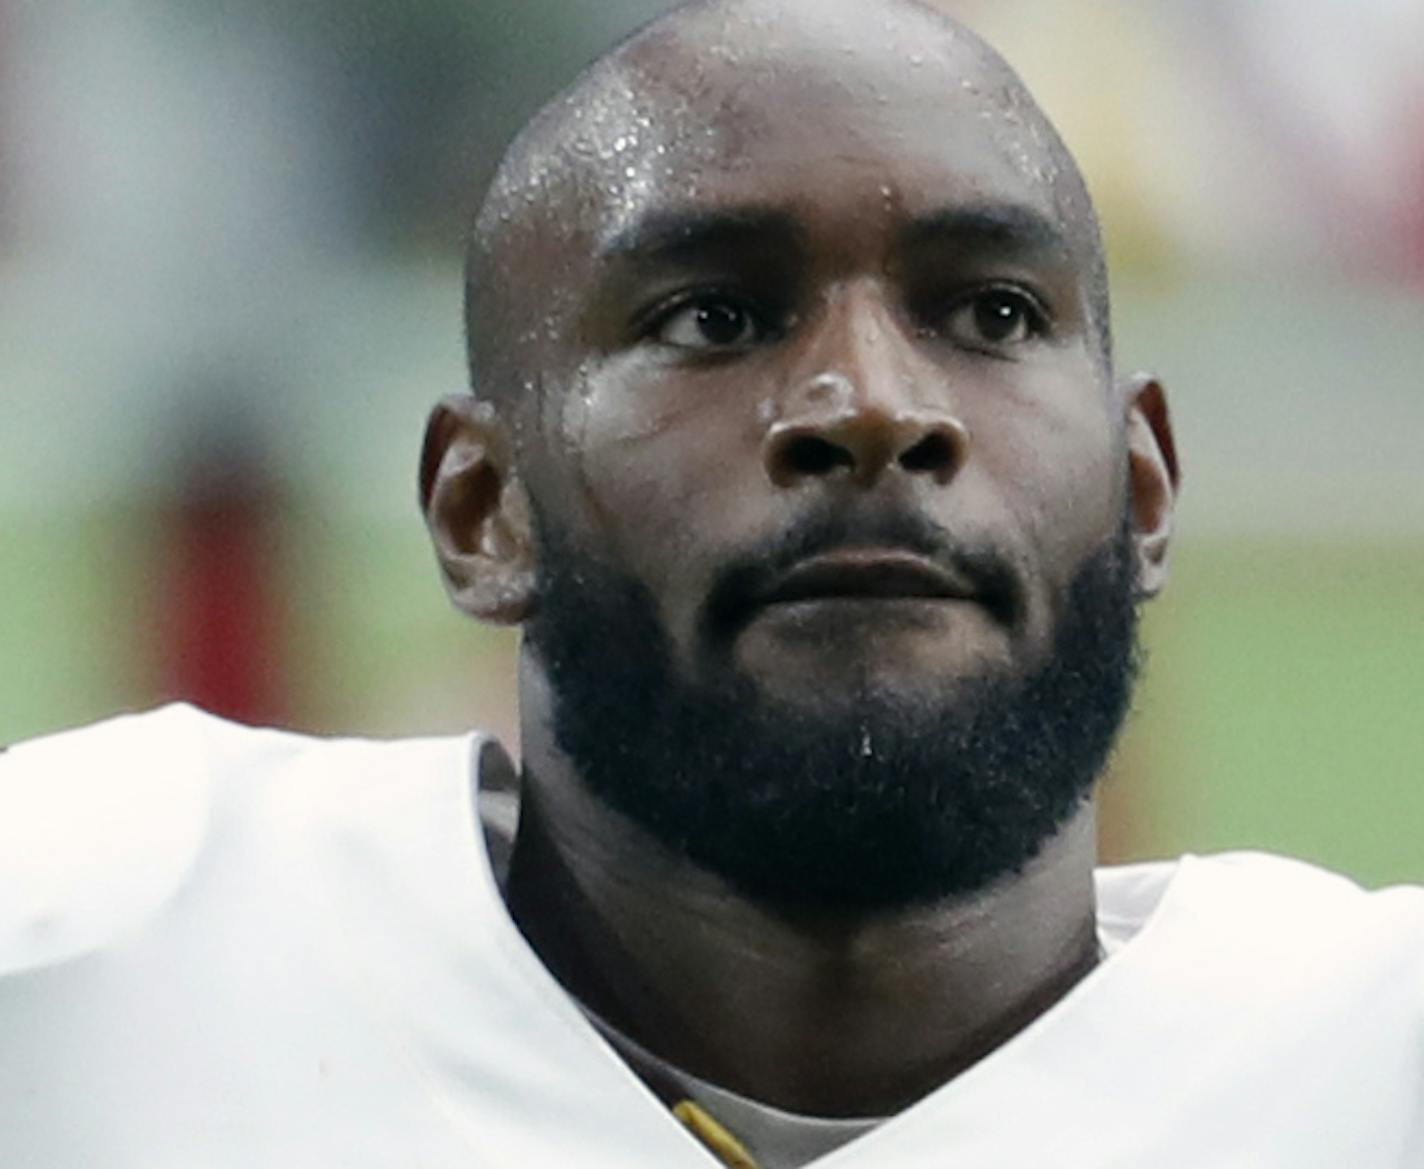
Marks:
<point>867,749</point>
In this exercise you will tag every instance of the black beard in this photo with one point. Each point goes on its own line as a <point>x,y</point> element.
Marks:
<point>883,802</point>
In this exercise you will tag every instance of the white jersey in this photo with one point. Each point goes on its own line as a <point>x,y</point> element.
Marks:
<point>222,947</point>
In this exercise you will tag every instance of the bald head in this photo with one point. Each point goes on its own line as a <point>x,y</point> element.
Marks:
<point>687,95</point>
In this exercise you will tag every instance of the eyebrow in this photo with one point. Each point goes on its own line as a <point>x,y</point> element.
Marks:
<point>1015,227</point>
<point>685,232</point>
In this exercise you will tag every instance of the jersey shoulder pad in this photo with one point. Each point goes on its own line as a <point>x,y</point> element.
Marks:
<point>98,828</point>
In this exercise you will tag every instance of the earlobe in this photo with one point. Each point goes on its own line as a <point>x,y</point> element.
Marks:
<point>477,512</point>
<point>1154,478</point>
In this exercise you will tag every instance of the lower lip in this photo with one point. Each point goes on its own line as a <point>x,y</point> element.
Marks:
<point>932,598</point>
<point>858,602</point>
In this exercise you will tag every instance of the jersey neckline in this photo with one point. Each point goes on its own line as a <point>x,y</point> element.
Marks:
<point>1151,888</point>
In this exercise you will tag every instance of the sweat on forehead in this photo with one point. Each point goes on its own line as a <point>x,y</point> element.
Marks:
<point>678,101</point>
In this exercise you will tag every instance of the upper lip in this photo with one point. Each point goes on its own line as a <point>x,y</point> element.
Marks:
<point>867,572</point>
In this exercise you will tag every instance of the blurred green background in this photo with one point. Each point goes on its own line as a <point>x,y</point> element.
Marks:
<point>229,290</point>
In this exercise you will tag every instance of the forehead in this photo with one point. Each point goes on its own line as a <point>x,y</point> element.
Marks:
<point>799,121</point>
<point>756,101</point>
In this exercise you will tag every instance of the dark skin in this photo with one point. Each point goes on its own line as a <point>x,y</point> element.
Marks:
<point>815,276</point>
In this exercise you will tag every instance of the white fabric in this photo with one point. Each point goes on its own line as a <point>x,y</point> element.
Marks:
<point>225,947</point>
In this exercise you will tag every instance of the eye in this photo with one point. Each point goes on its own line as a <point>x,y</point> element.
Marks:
<point>709,324</point>
<point>996,318</point>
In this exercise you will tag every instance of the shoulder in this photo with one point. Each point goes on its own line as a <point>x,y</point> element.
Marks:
<point>1297,895</point>
<point>102,827</point>
<point>1258,913</point>
<point>96,828</point>
<point>1292,911</point>
<point>1248,885</point>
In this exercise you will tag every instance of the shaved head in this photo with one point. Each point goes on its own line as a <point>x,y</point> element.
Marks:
<point>682,97</point>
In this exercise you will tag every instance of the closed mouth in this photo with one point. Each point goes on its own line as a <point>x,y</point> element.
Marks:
<point>867,574</point>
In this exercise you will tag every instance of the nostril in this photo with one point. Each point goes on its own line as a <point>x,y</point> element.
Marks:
<point>808,455</point>
<point>934,454</point>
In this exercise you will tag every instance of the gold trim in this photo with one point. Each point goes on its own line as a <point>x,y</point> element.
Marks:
<point>707,1130</point>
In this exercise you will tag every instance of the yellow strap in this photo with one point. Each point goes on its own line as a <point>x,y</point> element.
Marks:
<point>732,1152</point>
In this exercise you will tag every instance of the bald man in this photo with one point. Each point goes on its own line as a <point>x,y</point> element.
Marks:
<point>796,448</point>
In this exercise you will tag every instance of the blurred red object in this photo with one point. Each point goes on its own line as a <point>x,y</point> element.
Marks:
<point>221,621</point>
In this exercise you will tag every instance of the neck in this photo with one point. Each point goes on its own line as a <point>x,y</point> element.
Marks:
<point>854,1015</point>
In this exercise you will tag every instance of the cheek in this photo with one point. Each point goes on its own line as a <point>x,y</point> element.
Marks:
<point>664,475</point>
<point>1048,446</point>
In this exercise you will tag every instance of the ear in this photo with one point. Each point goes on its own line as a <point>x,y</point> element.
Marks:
<point>1153,478</point>
<point>477,511</point>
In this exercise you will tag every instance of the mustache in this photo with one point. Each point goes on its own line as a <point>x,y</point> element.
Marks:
<point>733,597</point>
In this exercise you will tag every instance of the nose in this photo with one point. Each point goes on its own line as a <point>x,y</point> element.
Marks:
<point>863,415</point>
<point>864,443</point>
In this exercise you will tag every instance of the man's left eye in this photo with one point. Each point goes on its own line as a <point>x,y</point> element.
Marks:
<point>708,325</point>
<point>995,317</point>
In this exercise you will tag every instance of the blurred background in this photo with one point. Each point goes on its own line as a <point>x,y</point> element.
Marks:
<point>229,290</point>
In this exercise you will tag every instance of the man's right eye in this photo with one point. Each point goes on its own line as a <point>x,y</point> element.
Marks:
<point>709,324</point>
